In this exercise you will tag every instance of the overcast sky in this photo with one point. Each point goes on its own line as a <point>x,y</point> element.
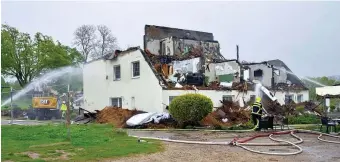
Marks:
<point>305,35</point>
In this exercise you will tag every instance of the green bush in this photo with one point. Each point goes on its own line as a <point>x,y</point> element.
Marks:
<point>300,109</point>
<point>190,108</point>
<point>304,119</point>
<point>332,108</point>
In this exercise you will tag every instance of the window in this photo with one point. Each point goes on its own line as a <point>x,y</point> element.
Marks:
<point>116,72</point>
<point>135,69</point>
<point>258,73</point>
<point>117,102</point>
<point>171,98</point>
<point>299,98</point>
<point>252,98</point>
<point>288,98</point>
<point>228,97</point>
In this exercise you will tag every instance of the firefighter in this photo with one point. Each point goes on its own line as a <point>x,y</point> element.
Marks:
<point>63,109</point>
<point>257,113</point>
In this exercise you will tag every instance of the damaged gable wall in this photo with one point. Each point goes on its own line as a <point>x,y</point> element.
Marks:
<point>134,91</point>
<point>266,75</point>
<point>143,92</point>
<point>179,42</point>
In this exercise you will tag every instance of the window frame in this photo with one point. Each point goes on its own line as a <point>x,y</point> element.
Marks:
<point>119,101</point>
<point>297,98</point>
<point>114,73</point>
<point>252,98</point>
<point>133,69</point>
<point>288,100</point>
<point>227,96</point>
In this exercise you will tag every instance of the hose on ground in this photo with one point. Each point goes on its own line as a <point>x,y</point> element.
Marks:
<point>184,141</point>
<point>277,144</point>
<point>243,144</point>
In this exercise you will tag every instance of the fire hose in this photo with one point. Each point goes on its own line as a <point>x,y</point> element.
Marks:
<point>242,142</point>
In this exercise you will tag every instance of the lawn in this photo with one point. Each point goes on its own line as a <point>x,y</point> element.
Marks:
<point>88,143</point>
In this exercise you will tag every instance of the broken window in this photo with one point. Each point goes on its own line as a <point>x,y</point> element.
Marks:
<point>258,73</point>
<point>299,98</point>
<point>135,69</point>
<point>116,102</point>
<point>116,72</point>
<point>171,98</point>
<point>227,97</point>
<point>288,98</point>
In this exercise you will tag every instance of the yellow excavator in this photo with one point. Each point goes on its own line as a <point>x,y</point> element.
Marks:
<point>44,107</point>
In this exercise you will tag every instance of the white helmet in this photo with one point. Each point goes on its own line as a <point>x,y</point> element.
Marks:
<point>64,102</point>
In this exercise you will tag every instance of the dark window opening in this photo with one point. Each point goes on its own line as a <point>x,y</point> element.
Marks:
<point>258,73</point>
<point>227,98</point>
<point>288,99</point>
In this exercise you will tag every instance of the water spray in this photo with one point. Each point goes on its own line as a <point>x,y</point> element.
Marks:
<point>46,78</point>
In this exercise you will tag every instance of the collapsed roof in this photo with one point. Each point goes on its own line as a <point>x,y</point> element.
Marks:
<point>165,45</point>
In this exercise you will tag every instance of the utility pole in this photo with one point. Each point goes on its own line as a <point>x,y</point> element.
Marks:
<point>11,105</point>
<point>68,122</point>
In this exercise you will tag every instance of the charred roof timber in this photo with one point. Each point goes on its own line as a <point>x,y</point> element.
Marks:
<point>161,32</point>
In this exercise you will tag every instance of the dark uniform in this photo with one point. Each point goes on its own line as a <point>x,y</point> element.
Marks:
<point>256,113</point>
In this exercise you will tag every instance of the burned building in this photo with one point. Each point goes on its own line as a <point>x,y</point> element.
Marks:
<point>173,62</point>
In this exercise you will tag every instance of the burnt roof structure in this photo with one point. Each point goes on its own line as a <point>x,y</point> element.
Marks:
<point>161,32</point>
<point>290,76</point>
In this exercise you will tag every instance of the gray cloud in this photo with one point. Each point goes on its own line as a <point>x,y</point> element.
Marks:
<point>305,35</point>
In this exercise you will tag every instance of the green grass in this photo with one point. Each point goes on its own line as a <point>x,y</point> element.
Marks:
<point>88,143</point>
<point>317,128</point>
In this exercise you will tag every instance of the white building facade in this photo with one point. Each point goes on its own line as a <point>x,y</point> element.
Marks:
<point>128,81</point>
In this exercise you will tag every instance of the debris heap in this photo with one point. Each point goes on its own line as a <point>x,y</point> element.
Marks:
<point>228,114</point>
<point>115,115</point>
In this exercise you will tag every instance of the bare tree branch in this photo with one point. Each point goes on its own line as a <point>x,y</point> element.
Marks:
<point>85,40</point>
<point>106,42</point>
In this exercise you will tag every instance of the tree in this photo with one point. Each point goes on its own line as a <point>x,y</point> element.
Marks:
<point>25,58</point>
<point>106,42</point>
<point>92,45</point>
<point>85,40</point>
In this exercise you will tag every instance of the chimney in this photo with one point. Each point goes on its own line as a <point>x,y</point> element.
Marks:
<point>237,54</point>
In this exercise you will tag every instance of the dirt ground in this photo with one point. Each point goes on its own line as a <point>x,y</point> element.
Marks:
<point>313,149</point>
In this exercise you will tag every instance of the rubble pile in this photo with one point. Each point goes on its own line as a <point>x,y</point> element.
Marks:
<point>115,115</point>
<point>228,114</point>
<point>286,87</point>
<point>279,112</point>
<point>310,106</point>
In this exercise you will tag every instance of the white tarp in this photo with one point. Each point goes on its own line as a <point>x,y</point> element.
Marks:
<point>159,116</point>
<point>328,90</point>
<point>186,66</point>
<point>139,119</point>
